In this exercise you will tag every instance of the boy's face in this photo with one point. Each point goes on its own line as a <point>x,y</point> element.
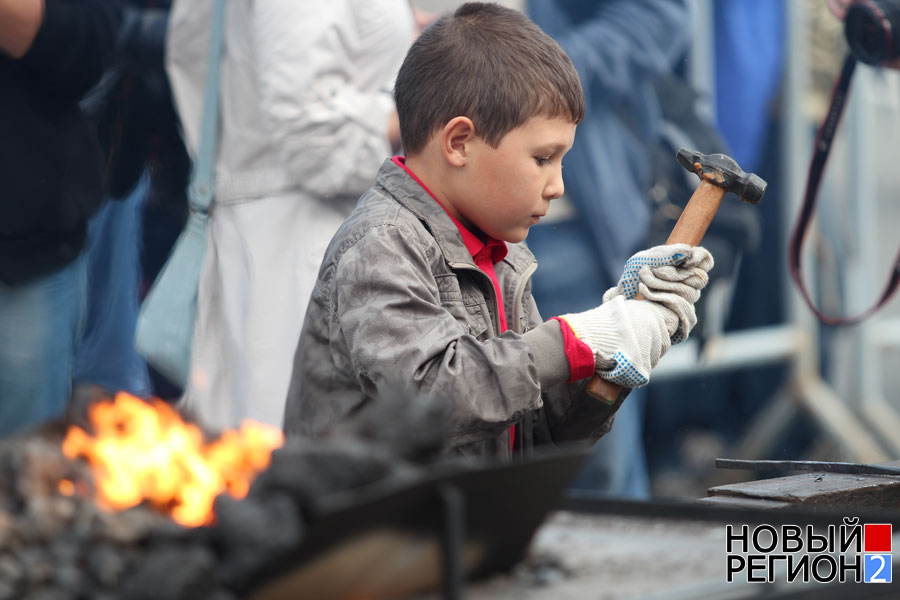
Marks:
<point>509,188</point>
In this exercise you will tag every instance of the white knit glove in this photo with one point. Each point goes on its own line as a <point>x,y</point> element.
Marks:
<point>628,337</point>
<point>671,275</point>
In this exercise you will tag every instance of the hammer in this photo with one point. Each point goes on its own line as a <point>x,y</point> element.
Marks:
<point>718,174</point>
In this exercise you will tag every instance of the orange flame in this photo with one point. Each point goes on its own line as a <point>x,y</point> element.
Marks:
<point>66,488</point>
<point>145,451</point>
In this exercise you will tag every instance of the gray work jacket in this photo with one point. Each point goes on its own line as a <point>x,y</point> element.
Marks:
<point>400,304</point>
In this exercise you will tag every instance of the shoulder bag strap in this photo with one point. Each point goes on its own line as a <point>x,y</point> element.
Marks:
<point>201,188</point>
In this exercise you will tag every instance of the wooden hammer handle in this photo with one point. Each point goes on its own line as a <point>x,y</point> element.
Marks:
<point>690,229</point>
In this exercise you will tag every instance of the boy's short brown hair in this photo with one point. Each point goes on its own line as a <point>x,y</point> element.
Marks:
<point>489,63</point>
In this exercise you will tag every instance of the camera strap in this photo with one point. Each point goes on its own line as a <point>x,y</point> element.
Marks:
<point>822,147</point>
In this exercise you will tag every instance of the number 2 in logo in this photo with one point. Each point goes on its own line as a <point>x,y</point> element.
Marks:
<point>877,568</point>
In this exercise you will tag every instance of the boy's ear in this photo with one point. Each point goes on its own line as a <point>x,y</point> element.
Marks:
<point>456,139</point>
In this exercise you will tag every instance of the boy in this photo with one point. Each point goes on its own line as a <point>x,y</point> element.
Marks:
<point>425,287</point>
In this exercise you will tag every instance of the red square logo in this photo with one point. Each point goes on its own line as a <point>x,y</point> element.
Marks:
<point>877,537</point>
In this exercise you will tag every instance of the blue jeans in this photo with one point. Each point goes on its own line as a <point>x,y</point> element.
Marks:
<point>106,355</point>
<point>565,282</point>
<point>40,324</point>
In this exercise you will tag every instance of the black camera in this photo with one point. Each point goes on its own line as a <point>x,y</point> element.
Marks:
<point>872,28</point>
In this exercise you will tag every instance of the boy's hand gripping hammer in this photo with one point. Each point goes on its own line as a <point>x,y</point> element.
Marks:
<point>718,174</point>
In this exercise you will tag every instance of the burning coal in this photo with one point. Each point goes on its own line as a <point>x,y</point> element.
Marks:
<point>144,451</point>
<point>106,511</point>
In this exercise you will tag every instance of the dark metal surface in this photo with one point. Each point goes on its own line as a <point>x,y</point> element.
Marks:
<point>411,535</point>
<point>454,540</point>
<point>806,465</point>
<point>676,510</point>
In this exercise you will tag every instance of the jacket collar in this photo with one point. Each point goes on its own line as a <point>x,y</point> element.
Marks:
<point>495,248</point>
<point>412,196</point>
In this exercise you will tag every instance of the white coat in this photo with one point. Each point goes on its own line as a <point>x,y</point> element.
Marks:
<point>305,102</point>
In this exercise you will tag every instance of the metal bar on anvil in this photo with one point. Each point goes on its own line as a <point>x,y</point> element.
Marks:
<point>806,465</point>
<point>585,502</point>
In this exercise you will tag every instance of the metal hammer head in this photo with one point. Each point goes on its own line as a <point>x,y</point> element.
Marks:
<point>722,171</point>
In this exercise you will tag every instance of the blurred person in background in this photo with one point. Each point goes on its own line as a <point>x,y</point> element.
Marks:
<point>746,39</point>
<point>51,53</point>
<point>619,48</point>
<point>145,167</point>
<point>306,120</point>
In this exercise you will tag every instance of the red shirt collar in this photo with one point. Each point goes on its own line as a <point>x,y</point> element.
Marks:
<point>496,248</point>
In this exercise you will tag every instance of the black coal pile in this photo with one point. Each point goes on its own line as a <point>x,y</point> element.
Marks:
<point>57,546</point>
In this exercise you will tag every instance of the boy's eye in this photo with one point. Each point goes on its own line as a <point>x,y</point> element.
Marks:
<point>541,160</point>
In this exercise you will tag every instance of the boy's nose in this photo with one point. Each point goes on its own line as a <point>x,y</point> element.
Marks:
<point>554,188</point>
